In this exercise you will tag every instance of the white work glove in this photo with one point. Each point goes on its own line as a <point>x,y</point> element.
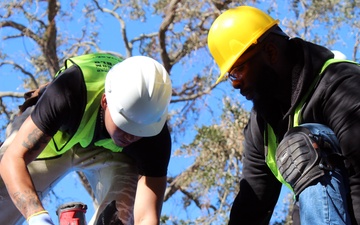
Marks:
<point>41,219</point>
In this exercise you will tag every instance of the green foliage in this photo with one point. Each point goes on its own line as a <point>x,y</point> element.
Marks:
<point>214,177</point>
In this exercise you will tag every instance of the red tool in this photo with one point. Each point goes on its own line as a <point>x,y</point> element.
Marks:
<point>72,213</point>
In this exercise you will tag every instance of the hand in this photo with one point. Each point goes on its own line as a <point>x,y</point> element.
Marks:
<point>41,219</point>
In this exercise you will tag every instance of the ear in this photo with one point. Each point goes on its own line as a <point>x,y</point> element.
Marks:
<point>103,101</point>
<point>271,52</point>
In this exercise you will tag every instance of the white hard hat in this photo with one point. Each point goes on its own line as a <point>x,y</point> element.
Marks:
<point>338,54</point>
<point>138,92</point>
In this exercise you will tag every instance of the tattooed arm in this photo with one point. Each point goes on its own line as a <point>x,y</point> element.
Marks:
<point>27,145</point>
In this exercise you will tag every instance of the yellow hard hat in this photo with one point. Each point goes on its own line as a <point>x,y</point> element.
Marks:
<point>233,32</point>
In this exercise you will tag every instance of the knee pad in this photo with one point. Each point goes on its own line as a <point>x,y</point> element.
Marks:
<point>305,153</point>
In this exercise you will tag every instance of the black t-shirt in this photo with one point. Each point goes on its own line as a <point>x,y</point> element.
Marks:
<point>62,105</point>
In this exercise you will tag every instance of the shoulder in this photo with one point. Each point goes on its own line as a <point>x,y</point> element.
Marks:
<point>70,78</point>
<point>342,69</point>
<point>340,77</point>
<point>68,86</point>
<point>336,96</point>
<point>62,103</point>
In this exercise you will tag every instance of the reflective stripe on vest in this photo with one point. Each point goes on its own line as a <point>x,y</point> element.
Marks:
<point>94,68</point>
<point>270,139</point>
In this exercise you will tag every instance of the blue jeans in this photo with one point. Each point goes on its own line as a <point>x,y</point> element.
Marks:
<point>325,203</point>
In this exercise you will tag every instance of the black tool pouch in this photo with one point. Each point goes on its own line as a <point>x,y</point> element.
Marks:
<point>303,156</point>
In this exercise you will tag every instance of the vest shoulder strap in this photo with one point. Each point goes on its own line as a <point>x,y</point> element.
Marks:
<point>270,137</point>
<point>297,113</point>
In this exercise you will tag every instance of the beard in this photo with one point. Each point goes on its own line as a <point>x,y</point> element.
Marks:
<point>267,99</point>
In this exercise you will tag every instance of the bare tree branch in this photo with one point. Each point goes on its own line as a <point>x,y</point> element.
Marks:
<point>11,94</point>
<point>168,20</point>
<point>128,45</point>
<point>21,68</point>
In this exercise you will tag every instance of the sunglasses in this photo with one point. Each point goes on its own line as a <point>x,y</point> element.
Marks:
<point>237,72</point>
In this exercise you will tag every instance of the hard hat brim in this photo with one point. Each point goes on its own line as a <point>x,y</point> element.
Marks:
<point>254,41</point>
<point>131,127</point>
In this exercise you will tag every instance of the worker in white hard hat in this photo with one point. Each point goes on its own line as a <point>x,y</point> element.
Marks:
<point>103,116</point>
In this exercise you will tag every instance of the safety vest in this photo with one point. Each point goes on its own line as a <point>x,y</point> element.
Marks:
<point>270,138</point>
<point>94,68</point>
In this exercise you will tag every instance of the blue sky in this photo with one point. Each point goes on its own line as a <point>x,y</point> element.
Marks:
<point>73,191</point>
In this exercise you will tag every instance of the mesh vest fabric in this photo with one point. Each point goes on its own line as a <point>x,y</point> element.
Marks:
<point>94,68</point>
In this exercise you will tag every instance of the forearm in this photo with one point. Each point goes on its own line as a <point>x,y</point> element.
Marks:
<point>20,187</point>
<point>149,200</point>
<point>26,146</point>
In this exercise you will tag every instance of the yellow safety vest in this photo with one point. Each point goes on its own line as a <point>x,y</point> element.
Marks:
<point>94,68</point>
<point>271,142</point>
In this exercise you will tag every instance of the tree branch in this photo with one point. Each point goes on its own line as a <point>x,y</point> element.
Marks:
<point>170,14</point>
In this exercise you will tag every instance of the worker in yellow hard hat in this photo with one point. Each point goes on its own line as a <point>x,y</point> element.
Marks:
<point>304,128</point>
